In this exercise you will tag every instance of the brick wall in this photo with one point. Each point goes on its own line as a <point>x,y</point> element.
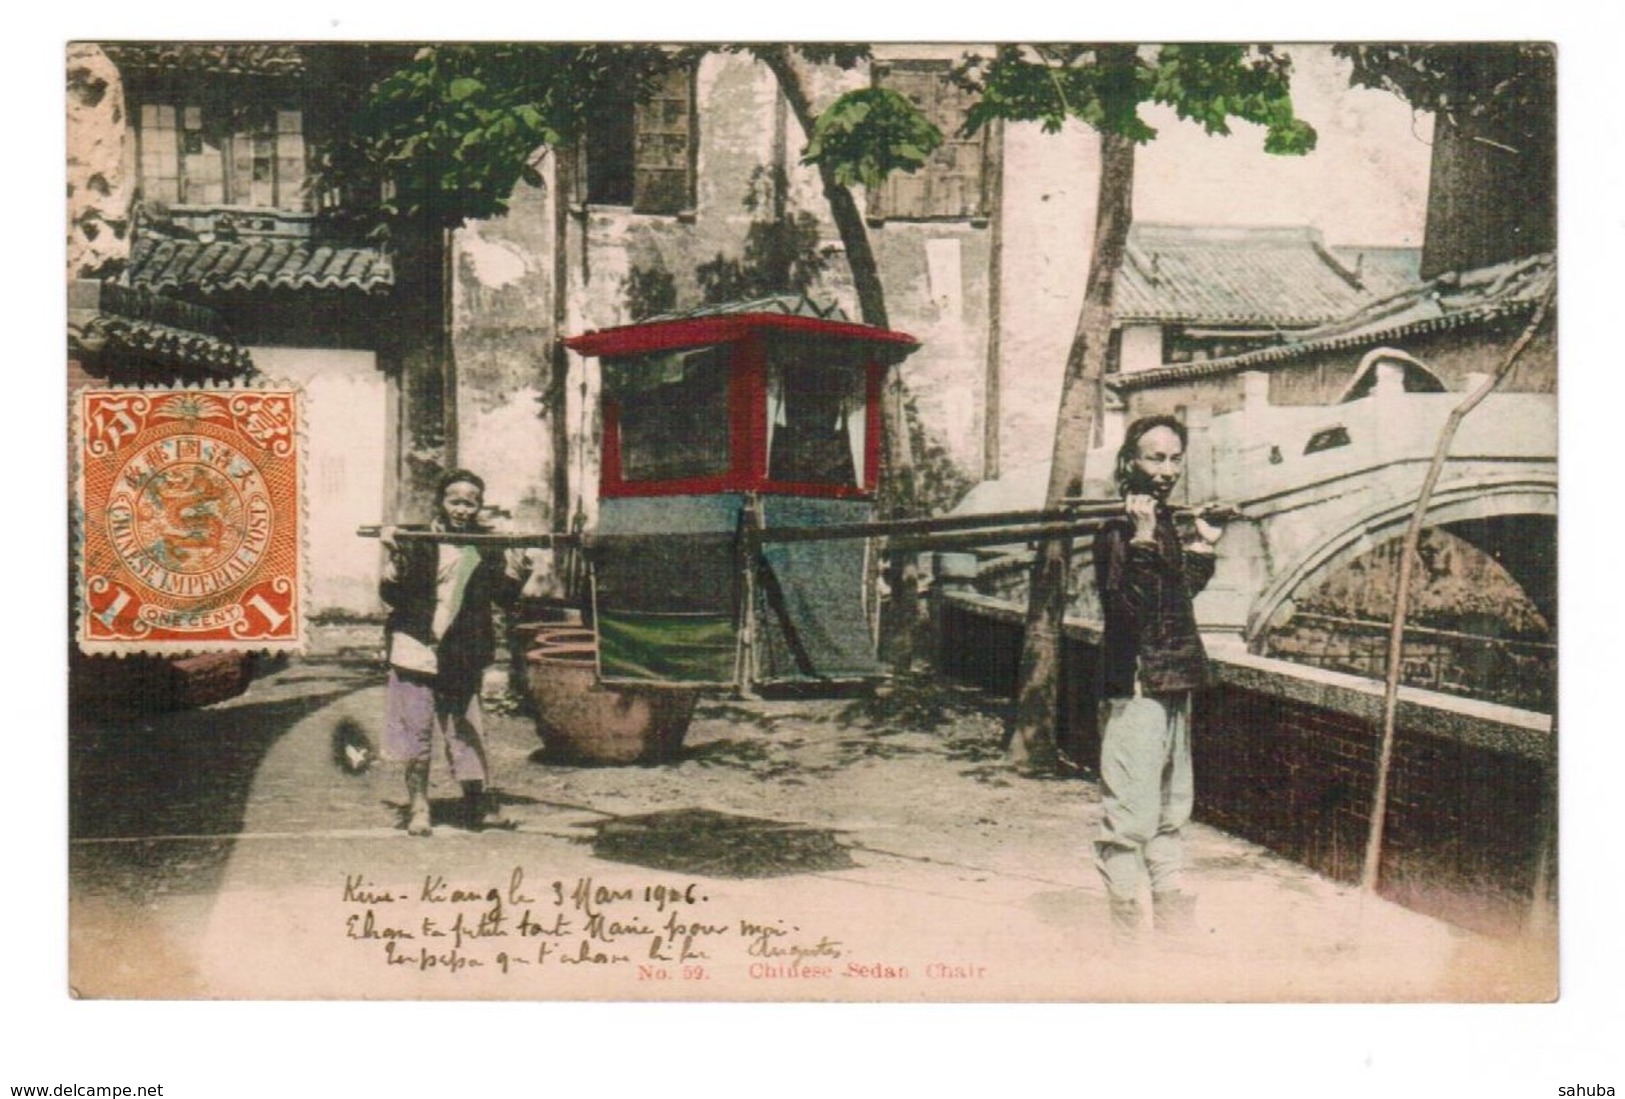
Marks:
<point>1464,823</point>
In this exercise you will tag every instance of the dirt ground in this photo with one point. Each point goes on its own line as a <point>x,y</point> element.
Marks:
<point>874,848</point>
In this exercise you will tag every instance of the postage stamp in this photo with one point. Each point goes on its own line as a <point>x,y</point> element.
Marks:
<point>189,520</point>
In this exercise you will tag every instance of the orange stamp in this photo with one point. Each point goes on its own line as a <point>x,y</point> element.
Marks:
<point>189,520</point>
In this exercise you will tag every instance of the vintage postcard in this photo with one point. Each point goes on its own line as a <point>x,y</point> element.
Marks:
<point>804,522</point>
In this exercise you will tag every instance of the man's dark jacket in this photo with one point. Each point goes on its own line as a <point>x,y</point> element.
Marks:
<point>469,643</point>
<point>1145,594</point>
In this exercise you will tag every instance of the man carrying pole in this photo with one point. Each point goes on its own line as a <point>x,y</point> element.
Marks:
<point>1151,659</point>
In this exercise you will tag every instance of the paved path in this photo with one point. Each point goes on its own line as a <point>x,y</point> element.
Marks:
<point>798,850</point>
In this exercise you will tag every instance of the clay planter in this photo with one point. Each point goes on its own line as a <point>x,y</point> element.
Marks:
<point>522,636</point>
<point>583,721</point>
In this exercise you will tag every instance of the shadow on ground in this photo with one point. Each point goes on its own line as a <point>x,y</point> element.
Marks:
<point>718,845</point>
<point>147,796</point>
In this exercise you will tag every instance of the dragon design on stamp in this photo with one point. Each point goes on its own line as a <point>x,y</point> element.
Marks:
<point>190,532</point>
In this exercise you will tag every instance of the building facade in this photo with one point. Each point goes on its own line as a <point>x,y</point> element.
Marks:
<point>220,149</point>
<point>698,196</point>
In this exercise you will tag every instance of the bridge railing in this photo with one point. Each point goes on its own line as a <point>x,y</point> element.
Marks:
<point>1264,449</point>
<point>1508,670</point>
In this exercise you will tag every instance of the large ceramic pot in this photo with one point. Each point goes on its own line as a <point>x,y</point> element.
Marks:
<point>581,720</point>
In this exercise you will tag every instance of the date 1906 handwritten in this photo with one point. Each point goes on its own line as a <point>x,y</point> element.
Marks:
<point>645,931</point>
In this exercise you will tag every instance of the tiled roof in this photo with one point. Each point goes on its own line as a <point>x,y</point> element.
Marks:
<point>1452,300</point>
<point>262,58</point>
<point>1382,270</point>
<point>1259,277</point>
<point>1469,295</point>
<point>263,263</point>
<point>110,335</point>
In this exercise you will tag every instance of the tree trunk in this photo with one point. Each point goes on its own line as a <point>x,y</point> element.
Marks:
<point>897,481</point>
<point>1031,737</point>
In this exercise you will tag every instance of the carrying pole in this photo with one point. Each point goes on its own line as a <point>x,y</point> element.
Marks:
<point>496,538</point>
<point>914,534</point>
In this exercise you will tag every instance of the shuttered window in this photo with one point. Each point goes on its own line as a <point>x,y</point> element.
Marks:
<point>952,184</point>
<point>642,154</point>
<point>662,130</point>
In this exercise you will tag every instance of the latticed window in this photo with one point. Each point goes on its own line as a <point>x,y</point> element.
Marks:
<point>200,156</point>
<point>642,154</point>
<point>953,182</point>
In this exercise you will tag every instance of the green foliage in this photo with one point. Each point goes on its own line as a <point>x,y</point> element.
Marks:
<point>1103,86</point>
<point>1500,81</point>
<point>1100,86</point>
<point>1211,84</point>
<point>451,133</point>
<point>867,134</point>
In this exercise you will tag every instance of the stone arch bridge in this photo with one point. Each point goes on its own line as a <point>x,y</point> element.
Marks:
<point>1321,485</point>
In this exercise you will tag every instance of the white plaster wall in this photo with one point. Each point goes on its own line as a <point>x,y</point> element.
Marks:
<point>581,406</point>
<point>948,375</point>
<point>502,329</point>
<point>1049,224</point>
<point>1142,347</point>
<point>101,176</point>
<point>346,416</point>
<point>935,278</point>
<point>509,447</point>
<point>495,262</point>
<point>806,190</point>
<point>735,97</point>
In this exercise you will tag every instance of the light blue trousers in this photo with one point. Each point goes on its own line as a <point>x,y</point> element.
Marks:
<point>1147,791</point>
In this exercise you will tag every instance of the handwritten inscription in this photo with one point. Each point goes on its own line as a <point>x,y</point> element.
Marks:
<point>661,930</point>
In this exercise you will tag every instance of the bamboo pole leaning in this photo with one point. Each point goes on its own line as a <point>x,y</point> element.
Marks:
<point>1396,628</point>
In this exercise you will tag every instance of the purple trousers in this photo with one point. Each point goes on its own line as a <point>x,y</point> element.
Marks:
<point>415,707</point>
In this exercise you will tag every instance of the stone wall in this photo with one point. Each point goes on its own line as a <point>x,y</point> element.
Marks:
<point>1286,757</point>
<point>99,185</point>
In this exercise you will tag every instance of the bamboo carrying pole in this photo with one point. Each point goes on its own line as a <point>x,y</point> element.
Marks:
<point>497,538</point>
<point>1396,628</point>
<point>946,532</point>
